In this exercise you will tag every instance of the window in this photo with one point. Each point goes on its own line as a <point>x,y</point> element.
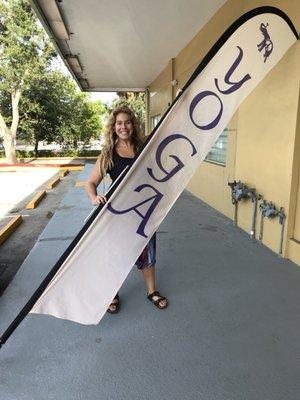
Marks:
<point>154,121</point>
<point>219,150</point>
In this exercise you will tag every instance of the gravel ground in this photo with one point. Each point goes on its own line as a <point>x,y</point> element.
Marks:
<point>17,189</point>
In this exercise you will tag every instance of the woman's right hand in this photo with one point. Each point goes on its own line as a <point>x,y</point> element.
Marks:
<point>99,199</point>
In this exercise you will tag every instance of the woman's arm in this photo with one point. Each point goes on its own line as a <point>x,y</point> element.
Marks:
<point>91,187</point>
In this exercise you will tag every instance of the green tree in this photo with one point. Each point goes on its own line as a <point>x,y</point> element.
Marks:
<point>53,110</point>
<point>82,121</point>
<point>25,53</point>
<point>44,106</point>
<point>135,100</point>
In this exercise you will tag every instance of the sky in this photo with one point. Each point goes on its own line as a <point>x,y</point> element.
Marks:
<point>105,97</point>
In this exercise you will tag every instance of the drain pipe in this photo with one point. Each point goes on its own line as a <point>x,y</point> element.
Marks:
<point>261,226</point>
<point>282,218</point>
<point>234,199</point>
<point>240,191</point>
<point>254,198</point>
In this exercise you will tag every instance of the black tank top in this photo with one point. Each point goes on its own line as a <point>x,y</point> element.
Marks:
<point>120,163</point>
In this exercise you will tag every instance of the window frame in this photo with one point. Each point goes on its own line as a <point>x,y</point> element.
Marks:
<point>216,160</point>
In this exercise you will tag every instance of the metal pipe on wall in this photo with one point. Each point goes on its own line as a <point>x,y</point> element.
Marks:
<point>240,191</point>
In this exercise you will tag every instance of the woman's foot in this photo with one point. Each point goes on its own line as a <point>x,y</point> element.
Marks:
<point>114,305</point>
<point>158,300</point>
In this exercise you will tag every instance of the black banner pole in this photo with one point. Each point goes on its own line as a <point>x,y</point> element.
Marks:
<point>39,291</point>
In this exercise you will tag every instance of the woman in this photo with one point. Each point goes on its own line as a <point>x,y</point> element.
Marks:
<point>122,141</point>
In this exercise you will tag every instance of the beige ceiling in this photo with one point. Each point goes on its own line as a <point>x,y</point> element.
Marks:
<point>122,44</point>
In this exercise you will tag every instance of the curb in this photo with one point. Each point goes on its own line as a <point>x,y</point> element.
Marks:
<point>10,228</point>
<point>36,200</point>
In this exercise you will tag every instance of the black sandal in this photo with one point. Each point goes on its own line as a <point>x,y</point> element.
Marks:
<point>157,301</point>
<point>115,304</point>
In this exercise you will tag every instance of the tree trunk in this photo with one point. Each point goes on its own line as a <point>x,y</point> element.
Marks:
<point>36,146</point>
<point>15,98</point>
<point>10,152</point>
<point>10,136</point>
<point>8,142</point>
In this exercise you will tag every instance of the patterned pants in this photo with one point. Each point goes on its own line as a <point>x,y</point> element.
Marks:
<point>147,257</point>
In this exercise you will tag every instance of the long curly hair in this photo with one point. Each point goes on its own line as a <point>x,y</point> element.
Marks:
<point>110,138</point>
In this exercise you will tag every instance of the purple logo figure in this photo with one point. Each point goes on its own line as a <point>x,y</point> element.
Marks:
<point>266,44</point>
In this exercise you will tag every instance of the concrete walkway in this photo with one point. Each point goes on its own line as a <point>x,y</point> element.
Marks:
<point>231,331</point>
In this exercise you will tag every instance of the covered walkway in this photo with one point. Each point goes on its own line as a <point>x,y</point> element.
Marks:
<point>231,331</point>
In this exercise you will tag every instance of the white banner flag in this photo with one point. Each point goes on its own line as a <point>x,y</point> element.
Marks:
<point>92,274</point>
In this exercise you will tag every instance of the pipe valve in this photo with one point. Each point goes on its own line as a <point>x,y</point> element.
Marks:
<point>240,191</point>
<point>268,210</point>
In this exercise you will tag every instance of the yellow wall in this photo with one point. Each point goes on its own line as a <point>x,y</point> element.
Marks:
<point>293,229</point>
<point>263,137</point>
<point>160,92</point>
<point>266,139</point>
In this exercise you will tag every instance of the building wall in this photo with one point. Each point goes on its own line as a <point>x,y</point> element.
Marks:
<point>160,92</point>
<point>266,140</point>
<point>263,135</point>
